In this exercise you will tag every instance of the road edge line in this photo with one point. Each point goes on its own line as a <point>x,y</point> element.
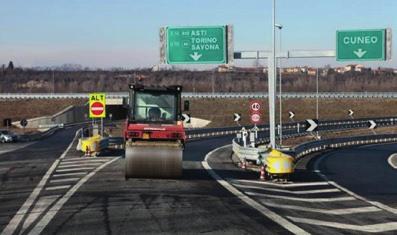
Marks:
<point>389,160</point>
<point>324,177</point>
<point>22,212</point>
<point>249,201</point>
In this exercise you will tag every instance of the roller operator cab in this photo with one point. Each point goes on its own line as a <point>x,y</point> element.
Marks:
<point>154,133</point>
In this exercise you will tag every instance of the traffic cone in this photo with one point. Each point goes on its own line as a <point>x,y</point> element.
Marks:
<point>87,151</point>
<point>262,176</point>
<point>243,164</point>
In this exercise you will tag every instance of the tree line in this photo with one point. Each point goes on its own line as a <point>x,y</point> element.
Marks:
<point>30,80</point>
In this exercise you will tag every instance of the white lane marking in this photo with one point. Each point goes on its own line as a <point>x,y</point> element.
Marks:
<point>41,205</point>
<point>374,203</point>
<point>63,180</point>
<point>16,220</point>
<point>289,185</point>
<point>57,187</point>
<point>331,199</point>
<point>69,174</point>
<point>62,166</point>
<point>372,228</point>
<point>75,169</point>
<point>343,211</point>
<point>255,205</point>
<point>302,192</point>
<point>390,160</point>
<point>77,159</point>
<point>39,227</point>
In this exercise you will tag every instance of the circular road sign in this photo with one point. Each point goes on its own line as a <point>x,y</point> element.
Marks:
<point>97,108</point>
<point>255,106</point>
<point>255,118</point>
<point>24,122</point>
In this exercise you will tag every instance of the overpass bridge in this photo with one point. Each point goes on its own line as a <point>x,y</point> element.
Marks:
<point>117,97</point>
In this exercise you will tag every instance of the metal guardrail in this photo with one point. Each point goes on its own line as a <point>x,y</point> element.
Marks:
<point>247,153</point>
<point>208,95</point>
<point>321,145</point>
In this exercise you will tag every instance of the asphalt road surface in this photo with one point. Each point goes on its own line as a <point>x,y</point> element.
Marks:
<point>90,195</point>
<point>107,204</point>
<point>365,171</point>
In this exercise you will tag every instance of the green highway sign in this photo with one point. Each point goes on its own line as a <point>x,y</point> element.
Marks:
<point>196,45</point>
<point>361,45</point>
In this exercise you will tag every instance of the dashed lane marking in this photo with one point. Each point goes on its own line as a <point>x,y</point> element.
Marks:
<point>75,169</point>
<point>332,199</point>
<point>343,211</point>
<point>63,180</point>
<point>288,185</point>
<point>249,201</point>
<point>62,166</point>
<point>57,187</point>
<point>302,192</point>
<point>372,228</point>
<point>69,174</point>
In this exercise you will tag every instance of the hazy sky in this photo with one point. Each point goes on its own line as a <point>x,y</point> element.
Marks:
<point>124,33</point>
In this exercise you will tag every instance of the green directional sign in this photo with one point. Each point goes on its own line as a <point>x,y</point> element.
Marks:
<point>196,45</point>
<point>361,44</point>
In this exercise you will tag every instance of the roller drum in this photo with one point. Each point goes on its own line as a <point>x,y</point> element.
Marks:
<point>153,160</point>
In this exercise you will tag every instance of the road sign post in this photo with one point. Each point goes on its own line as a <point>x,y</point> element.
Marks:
<point>196,45</point>
<point>97,107</point>
<point>362,45</point>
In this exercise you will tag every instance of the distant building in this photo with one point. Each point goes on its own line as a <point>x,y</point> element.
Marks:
<point>292,70</point>
<point>225,68</point>
<point>311,71</point>
<point>340,70</point>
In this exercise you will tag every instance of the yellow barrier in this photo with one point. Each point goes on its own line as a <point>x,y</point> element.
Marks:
<point>90,144</point>
<point>278,163</point>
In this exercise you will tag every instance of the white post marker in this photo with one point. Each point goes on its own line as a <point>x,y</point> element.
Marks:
<point>245,134</point>
<point>256,129</point>
<point>252,139</point>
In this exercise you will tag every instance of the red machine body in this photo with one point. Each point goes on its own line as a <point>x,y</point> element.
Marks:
<point>139,131</point>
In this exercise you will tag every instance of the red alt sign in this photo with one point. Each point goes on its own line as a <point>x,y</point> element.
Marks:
<point>97,108</point>
<point>255,111</point>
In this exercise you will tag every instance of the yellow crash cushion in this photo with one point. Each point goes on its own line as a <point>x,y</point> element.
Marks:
<point>90,142</point>
<point>279,163</point>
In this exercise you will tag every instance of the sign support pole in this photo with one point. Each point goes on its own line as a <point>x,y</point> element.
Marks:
<point>102,127</point>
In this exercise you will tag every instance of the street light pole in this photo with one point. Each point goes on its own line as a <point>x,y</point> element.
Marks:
<point>280,27</point>
<point>272,83</point>
<point>317,96</point>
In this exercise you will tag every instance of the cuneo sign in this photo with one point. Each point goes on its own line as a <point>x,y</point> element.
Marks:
<point>361,44</point>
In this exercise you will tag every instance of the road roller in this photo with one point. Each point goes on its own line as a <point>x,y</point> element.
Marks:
<point>154,133</point>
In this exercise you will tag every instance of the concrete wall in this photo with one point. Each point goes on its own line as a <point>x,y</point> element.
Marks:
<point>73,114</point>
